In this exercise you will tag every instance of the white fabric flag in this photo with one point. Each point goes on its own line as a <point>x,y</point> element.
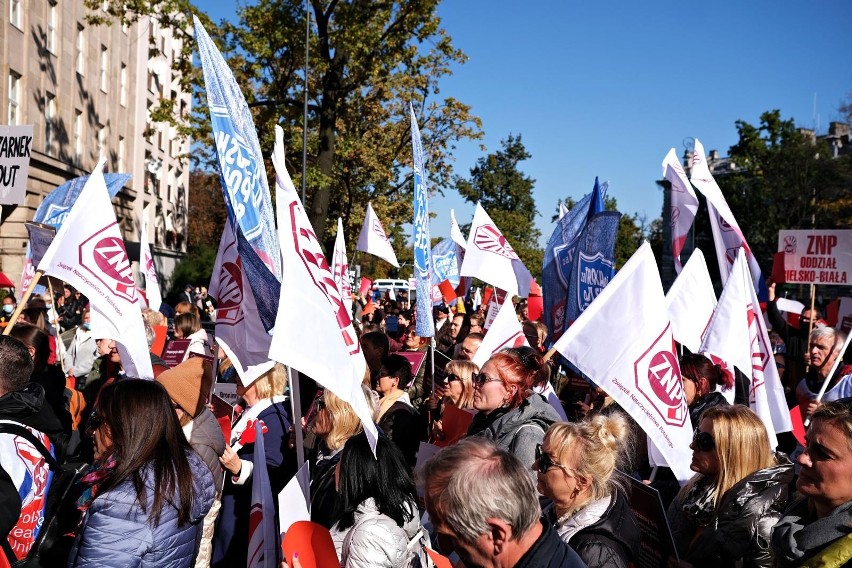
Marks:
<point>489,256</point>
<point>340,267</point>
<point>373,238</point>
<point>636,366</point>
<point>152,283</point>
<point>690,302</point>
<point>88,252</point>
<point>562,210</point>
<point>505,331</point>
<point>726,232</point>
<point>684,204</point>
<point>293,501</point>
<point>455,231</point>
<point>313,331</point>
<point>239,330</point>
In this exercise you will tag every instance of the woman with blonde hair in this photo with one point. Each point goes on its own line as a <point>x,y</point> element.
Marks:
<point>576,467</point>
<point>455,388</point>
<point>725,513</point>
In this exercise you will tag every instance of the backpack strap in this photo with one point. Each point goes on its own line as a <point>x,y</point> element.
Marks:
<point>518,431</point>
<point>23,432</point>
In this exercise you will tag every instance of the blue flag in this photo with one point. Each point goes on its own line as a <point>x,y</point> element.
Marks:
<point>445,263</point>
<point>424,326</point>
<point>594,262</point>
<point>58,202</point>
<point>241,165</point>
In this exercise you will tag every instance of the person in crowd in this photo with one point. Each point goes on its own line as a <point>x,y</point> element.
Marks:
<point>477,323</point>
<point>814,530</point>
<point>188,385</point>
<point>147,493</point>
<point>411,342</point>
<point>8,306</point>
<point>206,305</point>
<point>186,308</point>
<point>576,466</point>
<point>36,314</point>
<point>795,338</point>
<point>483,506</point>
<point>188,294</point>
<point>81,354</point>
<point>509,412</point>
<point>700,380</point>
<point>536,334</point>
<point>264,401</point>
<point>379,515</point>
<point>459,328</point>
<point>825,346</point>
<point>397,417</point>
<point>454,389</point>
<point>188,326</point>
<point>441,315</point>
<point>22,402</point>
<point>724,515</point>
<point>469,346</point>
<point>375,347</point>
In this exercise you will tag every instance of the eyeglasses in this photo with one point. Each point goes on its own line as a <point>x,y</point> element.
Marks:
<point>95,422</point>
<point>703,441</point>
<point>479,380</point>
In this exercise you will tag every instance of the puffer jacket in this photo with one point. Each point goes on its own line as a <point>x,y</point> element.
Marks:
<point>375,540</point>
<point>744,519</point>
<point>206,438</point>
<point>115,532</point>
<point>800,537</point>
<point>521,429</point>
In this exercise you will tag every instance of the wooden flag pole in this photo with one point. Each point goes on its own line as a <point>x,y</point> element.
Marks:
<point>810,328</point>
<point>24,299</point>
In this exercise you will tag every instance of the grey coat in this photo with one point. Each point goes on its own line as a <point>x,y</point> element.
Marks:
<point>205,436</point>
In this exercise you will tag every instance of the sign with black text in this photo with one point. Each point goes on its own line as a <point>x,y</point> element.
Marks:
<point>15,145</point>
<point>817,257</point>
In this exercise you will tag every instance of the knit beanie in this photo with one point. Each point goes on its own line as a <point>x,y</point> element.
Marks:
<point>189,384</point>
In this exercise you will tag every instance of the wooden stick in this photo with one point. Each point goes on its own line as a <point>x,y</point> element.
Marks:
<point>810,328</point>
<point>22,304</point>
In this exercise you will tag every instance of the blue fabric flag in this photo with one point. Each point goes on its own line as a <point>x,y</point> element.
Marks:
<point>593,262</point>
<point>425,326</point>
<point>265,287</point>
<point>445,263</point>
<point>55,207</point>
<point>241,165</point>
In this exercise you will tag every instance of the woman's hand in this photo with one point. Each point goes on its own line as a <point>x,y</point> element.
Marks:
<point>296,563</point>
<point>231,460</point>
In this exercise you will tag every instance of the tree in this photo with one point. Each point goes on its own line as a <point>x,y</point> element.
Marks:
<point>506,194</point>
<point>207,214</point>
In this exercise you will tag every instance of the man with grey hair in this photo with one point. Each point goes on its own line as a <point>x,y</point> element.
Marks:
<point>824,349</point>
<point>483,506</point>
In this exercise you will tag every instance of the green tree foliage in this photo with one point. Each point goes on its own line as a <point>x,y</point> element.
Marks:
<point>506,194</point>
<point>194,268</point>
<point>207,215</point>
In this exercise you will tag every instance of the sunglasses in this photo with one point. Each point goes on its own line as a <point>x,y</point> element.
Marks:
<point>451,377</point>
<point>546,463</point>
<point>479,379</point>
<point>703,441</point>
<point>95,422</point>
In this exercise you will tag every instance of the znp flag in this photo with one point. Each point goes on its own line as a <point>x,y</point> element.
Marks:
<point>691,301</point>
<point>489,256</point>
<point>373,238</point>
<point>340,267</point>
<point>146,259</point>
<point>684,204</point>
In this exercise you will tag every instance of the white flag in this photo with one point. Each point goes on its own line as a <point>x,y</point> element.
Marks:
<point>455,231</point>
<point>373,238</point>
<point>489,256</point>
<point>726,232</point>
<point>88,252</point>
<point>505,331</point>
<point>623,342</point>
<point>239,330</point>
<point>690,302</point>
<point>340,268</point>
<point>562,210</point>
<point>313,331</point>
<point>684,204</point>
<point>152,283</point>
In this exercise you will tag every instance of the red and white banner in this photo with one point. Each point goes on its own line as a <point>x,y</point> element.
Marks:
<point>690,302</point>
<point>623,342</point>
<point>313,331</point>
<point>88,252</point>
<point>684,204</point>
<point>373,238</point>
<point>505,331</point>
<point>489,256</point>
<point>340,267</point>
<point>149,269</point>
<point>817,257</point>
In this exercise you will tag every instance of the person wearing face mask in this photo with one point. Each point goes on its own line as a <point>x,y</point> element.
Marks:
<point>81,354</point>
<point>9,305</point>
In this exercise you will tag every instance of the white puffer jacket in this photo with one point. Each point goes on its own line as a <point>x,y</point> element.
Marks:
<point>375,540</point>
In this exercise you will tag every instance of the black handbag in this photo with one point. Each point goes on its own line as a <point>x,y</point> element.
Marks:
<point>61,515</point>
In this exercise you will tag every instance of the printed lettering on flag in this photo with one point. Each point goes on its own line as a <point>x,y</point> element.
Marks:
<point>424,324</point>
<point>340,267</point>
<point>684,204</point>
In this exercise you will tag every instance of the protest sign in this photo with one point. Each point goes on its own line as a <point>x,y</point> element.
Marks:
<point>816,257</point>
<point>657,545</point>
<point>15,145</point>
<point>175,351</point>
<point>415,358</point>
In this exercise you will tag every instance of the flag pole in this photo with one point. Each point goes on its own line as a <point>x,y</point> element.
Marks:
<point>811,325</point>
<point>837,361</point>
<point>24,299</point>
<point>296,401</point>
<point>60,345</point>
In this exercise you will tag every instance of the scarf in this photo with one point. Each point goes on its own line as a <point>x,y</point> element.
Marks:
<point>252,412</point>
<point>389,399</point>
<point>574,521</point>
<point>92,480</point>
<point>698,503</point>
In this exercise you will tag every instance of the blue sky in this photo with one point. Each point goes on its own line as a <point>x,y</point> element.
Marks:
<point>606,88</point>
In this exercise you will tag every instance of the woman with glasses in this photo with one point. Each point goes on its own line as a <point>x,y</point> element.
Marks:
<point>147,493</point>
<point>454,389</point>
<point>814,530</point>
<point>701,377</point>
<point>509,413</point>
<point>724,515</point>
<point>576,466</point>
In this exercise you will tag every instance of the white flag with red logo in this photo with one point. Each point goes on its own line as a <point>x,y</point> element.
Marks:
<point>88,252</point>
<point>623,342</point>
<point>489,256</point>
<point>733,339</point>
<point>239,330</point>
<point>340,267</point>
<point>456,232</point>
<point>152,283</point>
<point>684,204</point>
<point>313,331</point>
<point>373,238</point>
<point>691,301</point>
<point>505,331</point>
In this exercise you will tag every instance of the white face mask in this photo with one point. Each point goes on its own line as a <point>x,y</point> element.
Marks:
<point>8,308</point>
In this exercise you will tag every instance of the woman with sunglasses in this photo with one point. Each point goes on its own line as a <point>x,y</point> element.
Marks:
<point>814,530</point>
<point>724,515</point>
<point>147,493</point>
<point>509,413</point>
<point>454,389</point>
<point>576,465</point>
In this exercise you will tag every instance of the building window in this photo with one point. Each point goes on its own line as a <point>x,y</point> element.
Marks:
<point>14,98</point>
<point>101,142</point>
<point>122,85</point>
<point>52,25</point>
<point>49,123</point>
<point>78,137</point>
<point>15,13</point>
<point>120,154</point>
<point>104,66</point>
<point>81,50</point>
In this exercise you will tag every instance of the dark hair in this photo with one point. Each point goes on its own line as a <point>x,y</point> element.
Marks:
<point>695,365</point>
<point>146,434</point>
<point>465,326</point>
<point>32,336</point>
<point>384,477</point>
<point>397,366</point>
<point>187,323</point>
<point>16,365</point>
<point>35,316</point>
<point>527,365</point>
<point>377,339</point>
